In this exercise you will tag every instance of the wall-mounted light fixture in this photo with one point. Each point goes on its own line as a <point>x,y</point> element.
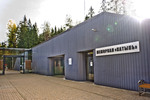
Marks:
<point>94,30</point>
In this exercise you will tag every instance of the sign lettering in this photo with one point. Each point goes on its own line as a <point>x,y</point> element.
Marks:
<point>118,49</point>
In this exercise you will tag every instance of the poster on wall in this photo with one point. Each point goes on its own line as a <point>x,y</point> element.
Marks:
<point>70,61</point>
<point>118,49</point>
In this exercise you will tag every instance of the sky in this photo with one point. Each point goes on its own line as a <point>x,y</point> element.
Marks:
<point>53,11</point>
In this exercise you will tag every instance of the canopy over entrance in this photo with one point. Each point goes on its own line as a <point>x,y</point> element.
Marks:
<point>12,56</point>
<point>11,53</point>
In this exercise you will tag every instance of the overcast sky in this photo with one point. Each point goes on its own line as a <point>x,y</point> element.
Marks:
<point>53,11</point>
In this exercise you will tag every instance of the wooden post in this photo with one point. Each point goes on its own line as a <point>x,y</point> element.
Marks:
<point>1,64</point>
<point>4,65</point>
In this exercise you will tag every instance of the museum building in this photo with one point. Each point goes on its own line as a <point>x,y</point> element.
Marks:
<point>107,49</point>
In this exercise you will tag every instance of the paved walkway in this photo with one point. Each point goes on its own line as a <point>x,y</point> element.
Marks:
<point>18,86</point>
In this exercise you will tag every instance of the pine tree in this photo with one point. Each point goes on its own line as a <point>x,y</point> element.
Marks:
<point>34,35</point>
<point>68,22</point>
<point>22,34</point>
<point>27,34</point>
<point>55,30</point>
<point>41,38</point>
<point>52,32</point>
<point>86,17</point>
<point>115,6</point>
<point>91,12</point>
<point>103,6</point>
<point>61,29</point>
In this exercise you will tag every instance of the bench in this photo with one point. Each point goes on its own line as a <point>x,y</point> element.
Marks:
<point>143,87</point>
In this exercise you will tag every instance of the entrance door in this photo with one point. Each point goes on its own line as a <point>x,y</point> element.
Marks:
<point>58,64</point>
<point>90,66</point>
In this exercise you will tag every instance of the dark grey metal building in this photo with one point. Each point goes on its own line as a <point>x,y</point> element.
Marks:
<point>108,49</point>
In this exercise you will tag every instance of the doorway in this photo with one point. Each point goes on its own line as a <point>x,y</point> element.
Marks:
<point>89,66</point>
<point>5,63</point>
<point>58,65</point>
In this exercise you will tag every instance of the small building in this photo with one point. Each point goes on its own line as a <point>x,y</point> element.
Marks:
<point>108,49</point>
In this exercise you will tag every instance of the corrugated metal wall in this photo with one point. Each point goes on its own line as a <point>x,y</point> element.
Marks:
<point>122,71</point>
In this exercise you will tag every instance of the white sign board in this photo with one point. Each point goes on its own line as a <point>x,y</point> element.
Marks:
<point>91,63</point>
<point>118,49</point>
<point>70,61</point>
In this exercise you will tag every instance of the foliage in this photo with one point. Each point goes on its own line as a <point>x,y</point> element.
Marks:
<point>3,44</point>
<point>90,13</point>
<point>115,6</point>
<point>58,30</point>
<point>41,38</point>
<point>34,35</point>
<point>11,34</point>
<point>46,34</point>
<point>46,31</point>
<point>86,17</point>
<point>27,34</point>
<point>68,24</point>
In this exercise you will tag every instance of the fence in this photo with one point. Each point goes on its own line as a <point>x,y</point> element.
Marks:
<point>1,64</point>
<point>28,64</point>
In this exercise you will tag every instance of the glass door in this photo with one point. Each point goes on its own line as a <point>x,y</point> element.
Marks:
<point>58,64</point>
<point>90,66</point>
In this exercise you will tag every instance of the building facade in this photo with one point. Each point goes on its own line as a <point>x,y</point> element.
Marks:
<point>108,49</point>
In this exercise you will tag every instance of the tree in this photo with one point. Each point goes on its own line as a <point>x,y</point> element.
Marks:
<point>41,38</point>
<point>29,37</point>
<point>3,44</point>
<point>61,30</point>
<point>103,7</point>
<point>11,34</point>
<point>49,32</point>
<point>34,35</point>
<point>52,32</point>
<point>46,34</point>
<point>68,22</point>
<point>22,35</point>
<point>46,31</point>
<point>91,12</point>
<point>55,30</point>
<point>27,34</point>
<point>86,17</point>
<point>116,6</point>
